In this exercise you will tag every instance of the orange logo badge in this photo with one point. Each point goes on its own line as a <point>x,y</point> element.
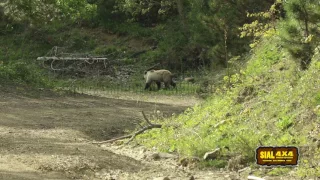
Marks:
<point>283,156</point>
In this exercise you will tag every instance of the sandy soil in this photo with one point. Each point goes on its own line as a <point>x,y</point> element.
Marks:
<point>46,136</point>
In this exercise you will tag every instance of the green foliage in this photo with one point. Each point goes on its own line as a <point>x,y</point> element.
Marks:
<point>268,54</point>
<point>310,167</point>
<point>42,12</point>
<point>220,17</point>
<point>263,25</point>
<point>300,29</point>
<point>266,108</point>
<point>76,10</point>
<point>233,80</point>
<point>23,73</point>
<point>17,59</point>
<point>317,99</point>
<point>80,41</point>
<point>279,171</point>
<point>194,37</point>
<point>145,10</point>
<point>171,45</point>
<point>284,123</point>
<point>132,29</point>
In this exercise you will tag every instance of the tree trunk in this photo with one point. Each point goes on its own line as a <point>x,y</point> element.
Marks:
<point>306,21</point>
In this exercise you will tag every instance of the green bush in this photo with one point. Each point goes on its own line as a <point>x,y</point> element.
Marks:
<point>24,73</point>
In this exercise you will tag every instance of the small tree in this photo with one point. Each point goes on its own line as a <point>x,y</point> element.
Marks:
<point>263,24</point>
<point>219,17</point>
<point>145,11</point>
<point>302,29</point>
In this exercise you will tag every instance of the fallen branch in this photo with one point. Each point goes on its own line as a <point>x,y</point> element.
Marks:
<point>132,136</point>
<point>71,58</point>
<point>112,140</point>
<point>53,67</point>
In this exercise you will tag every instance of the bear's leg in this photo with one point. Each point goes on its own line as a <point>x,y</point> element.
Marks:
<point>159,85</point>
<point>173,84</point>
<point>147,86</point>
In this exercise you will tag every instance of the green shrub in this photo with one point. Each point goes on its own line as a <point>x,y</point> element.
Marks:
<point>22,72</point>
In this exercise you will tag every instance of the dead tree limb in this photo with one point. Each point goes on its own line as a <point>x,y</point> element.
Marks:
<point>132,136</point>
<point>145,118</point>
<point>113,140</point>
<point>71,58</point>
<point>53,67</point>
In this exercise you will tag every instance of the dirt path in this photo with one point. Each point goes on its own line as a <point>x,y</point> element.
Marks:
<point>47,137</point>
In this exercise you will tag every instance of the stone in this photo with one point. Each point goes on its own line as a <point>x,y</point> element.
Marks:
<point>155,156</point>
<point>167,156</point>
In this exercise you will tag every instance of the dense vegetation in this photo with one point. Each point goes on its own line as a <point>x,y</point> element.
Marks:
<point>184,34</point>
<point>266,52</point>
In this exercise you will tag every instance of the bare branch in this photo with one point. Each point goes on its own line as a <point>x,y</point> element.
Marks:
<point>151,126</point>
<point>53,67</point>
<point>132,136</point>
<point>145,118</point>
<point>112,140</point>
<point>71,58</point>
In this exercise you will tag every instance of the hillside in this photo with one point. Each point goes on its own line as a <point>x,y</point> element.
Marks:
<point>271,103</point>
